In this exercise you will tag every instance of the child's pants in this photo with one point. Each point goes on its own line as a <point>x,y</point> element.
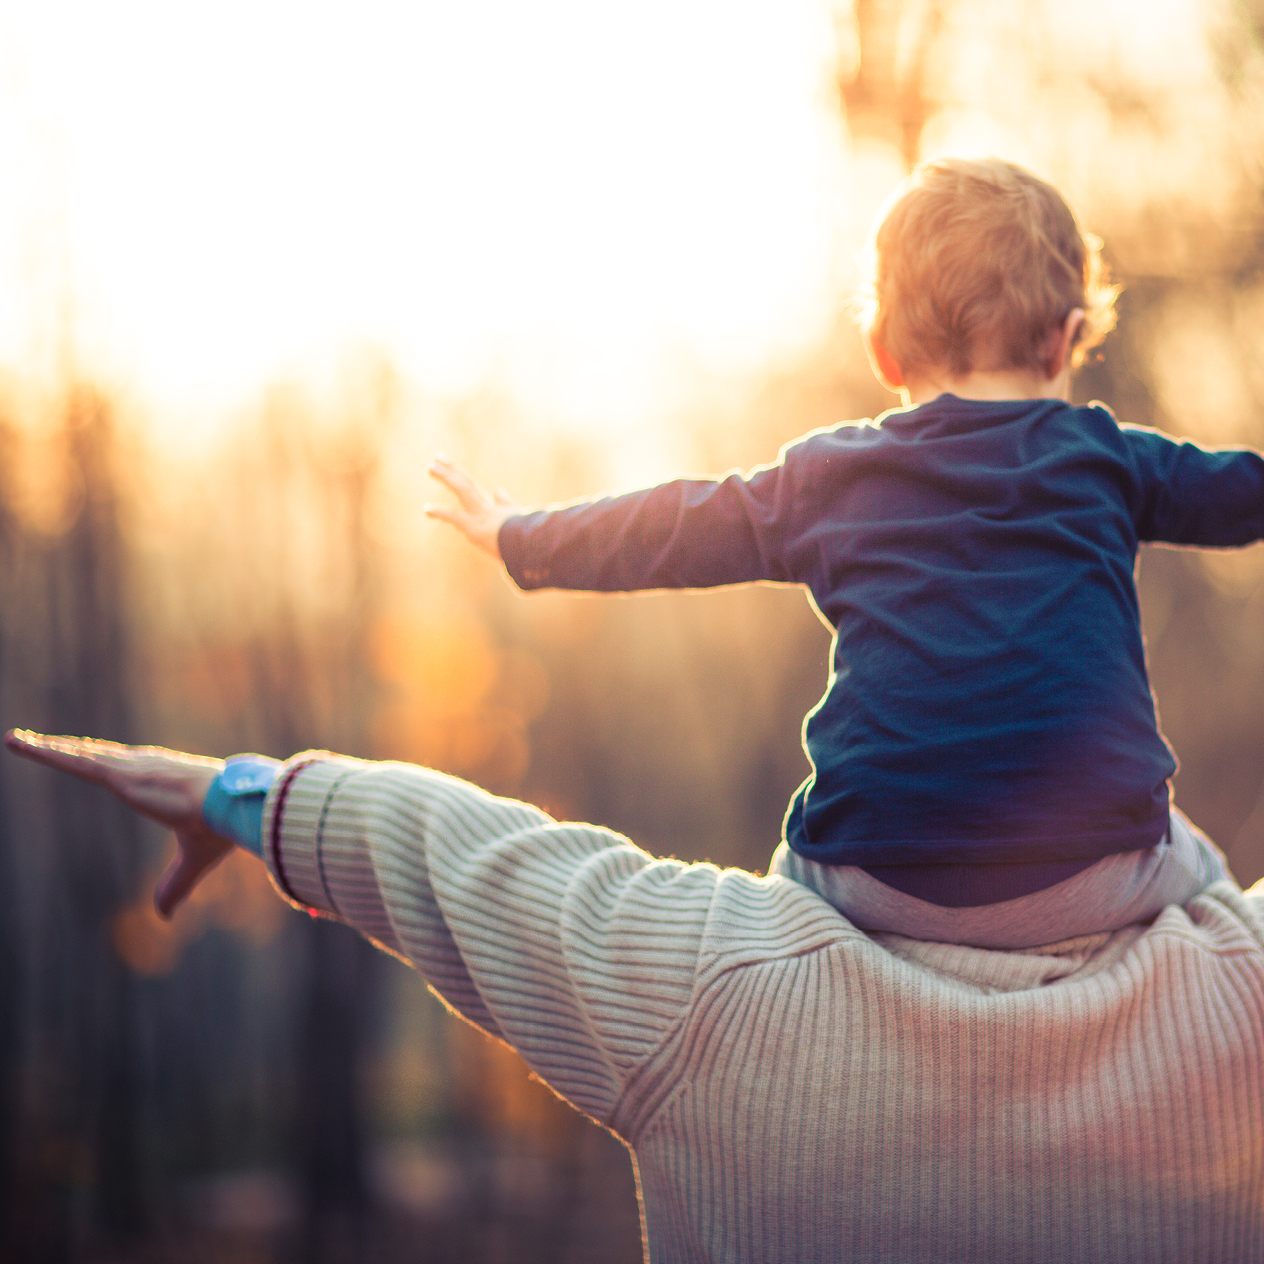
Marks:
<point>1118,890</point>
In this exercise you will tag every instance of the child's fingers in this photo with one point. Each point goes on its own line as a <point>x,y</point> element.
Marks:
<point>459,483</point>
<point>479,516</point>
<point>446,513</point>
<point>451,475</point>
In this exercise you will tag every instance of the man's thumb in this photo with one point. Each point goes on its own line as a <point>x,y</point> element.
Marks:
<point>180,878</point>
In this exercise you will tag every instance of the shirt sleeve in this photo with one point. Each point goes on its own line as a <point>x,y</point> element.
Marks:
<point>1193,495</point>
<point>691,533</point>
<point>567,941</point>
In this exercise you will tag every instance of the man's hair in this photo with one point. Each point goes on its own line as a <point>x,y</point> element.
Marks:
<point>974,263</point>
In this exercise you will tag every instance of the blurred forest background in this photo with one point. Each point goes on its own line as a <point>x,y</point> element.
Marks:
<point>249,1084</point>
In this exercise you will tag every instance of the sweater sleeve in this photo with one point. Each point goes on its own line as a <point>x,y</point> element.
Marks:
<point>691,533</point>
<point>566,941</point>
<point>1193,495</point>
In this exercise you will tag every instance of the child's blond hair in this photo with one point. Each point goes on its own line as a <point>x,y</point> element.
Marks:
<point>973,264</point>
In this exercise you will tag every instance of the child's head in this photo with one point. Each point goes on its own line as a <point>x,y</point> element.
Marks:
<point>975,264</point>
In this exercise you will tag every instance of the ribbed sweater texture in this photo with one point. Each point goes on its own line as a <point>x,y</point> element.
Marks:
<point>796,1090</point>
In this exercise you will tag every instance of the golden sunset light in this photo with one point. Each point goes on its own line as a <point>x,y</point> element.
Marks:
<point>562,197</point>
<point>326,331</point>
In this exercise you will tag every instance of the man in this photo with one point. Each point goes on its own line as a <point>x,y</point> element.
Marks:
<point>792,1089</point>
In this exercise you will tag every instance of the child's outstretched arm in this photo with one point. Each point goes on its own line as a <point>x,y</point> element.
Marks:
<point>479,515</point>
<point>688,533</point>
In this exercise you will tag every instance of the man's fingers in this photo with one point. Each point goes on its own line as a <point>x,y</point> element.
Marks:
<point>95,758</point>
<point>195,857</point>
<point>175,884</point>
<point>40,745</point>
<point>78,755</point>
<point>167,785</point>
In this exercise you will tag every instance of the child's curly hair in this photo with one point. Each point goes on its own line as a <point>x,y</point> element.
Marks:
<point>973,264</point>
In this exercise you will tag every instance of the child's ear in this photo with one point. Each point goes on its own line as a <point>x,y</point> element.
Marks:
<point>883,364</point>
<point>1062,342</point>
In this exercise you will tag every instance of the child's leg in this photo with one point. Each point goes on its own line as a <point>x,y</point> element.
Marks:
<point>1116,891</point>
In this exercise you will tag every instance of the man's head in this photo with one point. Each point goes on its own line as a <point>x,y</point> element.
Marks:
<point>975,266</point>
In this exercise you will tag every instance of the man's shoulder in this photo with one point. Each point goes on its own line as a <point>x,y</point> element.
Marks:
<point>759,922</point>
<point>756,920</point>
<point>1227,920</point>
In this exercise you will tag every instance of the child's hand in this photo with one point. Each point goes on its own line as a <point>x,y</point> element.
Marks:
<point>480,515</point>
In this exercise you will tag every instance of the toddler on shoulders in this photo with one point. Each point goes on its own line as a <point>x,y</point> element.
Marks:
<point>987,766</point>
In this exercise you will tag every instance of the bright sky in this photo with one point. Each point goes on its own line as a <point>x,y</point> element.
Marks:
<point>567,195</point>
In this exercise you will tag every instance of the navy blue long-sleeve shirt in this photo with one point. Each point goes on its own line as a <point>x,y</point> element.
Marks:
<point>988,700</point>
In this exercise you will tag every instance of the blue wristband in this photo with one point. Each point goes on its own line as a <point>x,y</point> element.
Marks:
<point>233,806</point>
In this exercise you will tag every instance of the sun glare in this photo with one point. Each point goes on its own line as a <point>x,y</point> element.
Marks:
<point>565,196</point>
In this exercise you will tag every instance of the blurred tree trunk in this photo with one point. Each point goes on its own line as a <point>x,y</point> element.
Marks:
<point>342,967</point>
<point>10,1010</point>
<point>10,959</point>
<point>86,995</point>
<point>100,841</point>
<point>330,1103</point>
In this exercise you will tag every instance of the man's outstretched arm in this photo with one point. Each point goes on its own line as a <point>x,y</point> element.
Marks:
<point>566,941</point>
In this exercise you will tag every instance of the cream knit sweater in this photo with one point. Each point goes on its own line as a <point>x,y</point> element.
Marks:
<point>794,1090</point>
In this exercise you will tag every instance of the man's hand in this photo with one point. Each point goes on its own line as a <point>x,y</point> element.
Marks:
<point>166,785</point>
<point>480,515</point>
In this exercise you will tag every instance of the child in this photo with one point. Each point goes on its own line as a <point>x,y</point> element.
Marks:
<point>987,767</point>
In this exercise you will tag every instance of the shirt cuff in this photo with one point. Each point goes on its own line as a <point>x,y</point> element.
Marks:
<point>303,861</point>
<point>233,806</point>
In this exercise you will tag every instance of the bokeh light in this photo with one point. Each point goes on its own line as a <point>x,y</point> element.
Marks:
<point>565,196</point>
<point>258,262</point>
